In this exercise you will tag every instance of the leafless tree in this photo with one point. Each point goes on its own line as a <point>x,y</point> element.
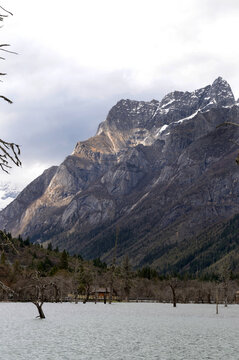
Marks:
<point>85,280</point>
<point>217,296</point>
<point>225,279</point>
<point>127,276</point>
<point>76,278</point>
<point>9,151</point>
<point>173,284</point>
<point>37,290</point>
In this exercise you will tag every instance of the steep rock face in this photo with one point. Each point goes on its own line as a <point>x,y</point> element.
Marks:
<point>161,171</point>
<point>11,216</point>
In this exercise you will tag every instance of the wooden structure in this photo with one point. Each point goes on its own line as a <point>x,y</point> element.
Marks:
<point>102,294</point>
<point>96,294</point>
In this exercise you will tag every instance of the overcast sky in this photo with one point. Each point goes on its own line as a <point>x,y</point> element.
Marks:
<point>77,58</point>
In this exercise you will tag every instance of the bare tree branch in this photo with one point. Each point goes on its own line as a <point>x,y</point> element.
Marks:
<point>8,51</point>
<point>6,288</point>
<point>9,152</point>
<point>5,11</point>
<point>6,99</point>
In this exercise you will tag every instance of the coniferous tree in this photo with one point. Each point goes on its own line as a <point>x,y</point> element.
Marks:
<point>49,247</point>
<point>64,260</point>
<point>3,258</point>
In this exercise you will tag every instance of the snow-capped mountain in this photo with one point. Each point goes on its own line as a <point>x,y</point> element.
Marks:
<point>159,171</point>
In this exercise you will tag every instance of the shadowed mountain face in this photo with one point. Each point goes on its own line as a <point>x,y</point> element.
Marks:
<point>160,172</point>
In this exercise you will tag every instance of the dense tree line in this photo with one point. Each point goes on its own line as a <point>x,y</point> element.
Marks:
<point>29,272</point>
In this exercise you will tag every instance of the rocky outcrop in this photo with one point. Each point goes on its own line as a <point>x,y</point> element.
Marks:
<point>159,171</point>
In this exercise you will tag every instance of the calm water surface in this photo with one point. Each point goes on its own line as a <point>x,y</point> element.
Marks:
<point>119,331</point>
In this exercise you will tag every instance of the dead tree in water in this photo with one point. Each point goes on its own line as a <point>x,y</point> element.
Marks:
<point>225,278</point>
<point>39,300</point>
<point>217,297</point>
<point>173,283</point>
<point>37,291</point>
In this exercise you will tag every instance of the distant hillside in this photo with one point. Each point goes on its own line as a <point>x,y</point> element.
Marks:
<point>210,252</point>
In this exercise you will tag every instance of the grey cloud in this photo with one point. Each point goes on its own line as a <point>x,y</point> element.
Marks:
<point>57,102</point>
<point>215,8</point>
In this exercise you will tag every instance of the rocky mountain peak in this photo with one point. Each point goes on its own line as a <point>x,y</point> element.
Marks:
<point>221,92</point>
<point>131,114</point>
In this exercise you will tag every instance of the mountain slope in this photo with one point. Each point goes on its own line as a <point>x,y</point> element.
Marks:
<point>159,171</point>
<point>213,251</point>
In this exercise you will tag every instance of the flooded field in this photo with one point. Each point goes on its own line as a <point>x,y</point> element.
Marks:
<point>118,331</point>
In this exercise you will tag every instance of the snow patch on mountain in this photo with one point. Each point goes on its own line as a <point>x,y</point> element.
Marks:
<point>8,193</point>
<point>187,118</point>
